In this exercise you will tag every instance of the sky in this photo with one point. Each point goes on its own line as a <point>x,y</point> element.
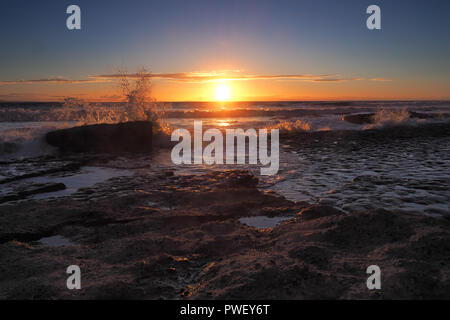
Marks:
<point>257,49</point>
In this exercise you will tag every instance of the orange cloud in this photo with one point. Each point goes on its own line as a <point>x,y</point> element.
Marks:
<point>198,77</point>
<point>380,79</point>
<point>191,77</point>
<point>51,81</point>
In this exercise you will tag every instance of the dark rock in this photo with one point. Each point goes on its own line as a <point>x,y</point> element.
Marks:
<point>319,211</point>
<point>369,229</point>
<point>133,136</point>
<point>366,118</point>
<point>313,255</point>
<point>8,147</point>
<point>65,168</point>
<point>359,118</point>
<point>49,187</point>
<point>240,179</point>
<point>168,173</point>
<point>424,115</point>
<point>34,189</point>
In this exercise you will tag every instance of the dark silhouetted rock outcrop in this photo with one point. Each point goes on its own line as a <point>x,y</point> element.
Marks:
<point>122,137</point>
<point>361,118</point>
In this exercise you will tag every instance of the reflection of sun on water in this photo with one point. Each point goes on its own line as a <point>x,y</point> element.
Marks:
<point>223,123</point>
<point>222,93</point>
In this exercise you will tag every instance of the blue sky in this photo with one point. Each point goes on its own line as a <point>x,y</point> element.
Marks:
<point>257,37</point>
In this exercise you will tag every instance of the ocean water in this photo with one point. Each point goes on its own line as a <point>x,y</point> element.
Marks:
<point>411,176</point>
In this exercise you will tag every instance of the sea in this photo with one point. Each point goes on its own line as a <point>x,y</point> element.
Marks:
<point>410,175</point>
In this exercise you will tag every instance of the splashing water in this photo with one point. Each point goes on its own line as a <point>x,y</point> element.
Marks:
<point>290,126</point>
<point>385,117</point>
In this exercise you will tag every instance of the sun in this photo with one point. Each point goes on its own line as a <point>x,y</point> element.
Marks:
<point>222,93</point>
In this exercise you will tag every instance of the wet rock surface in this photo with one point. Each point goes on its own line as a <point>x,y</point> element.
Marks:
<point>366,118</point>
<point>159,235</point>
<point>30,190</point>
<point>12,171</point>
<point>395,168</point>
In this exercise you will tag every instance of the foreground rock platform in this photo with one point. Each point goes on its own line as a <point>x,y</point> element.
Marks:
<point>163,236</point>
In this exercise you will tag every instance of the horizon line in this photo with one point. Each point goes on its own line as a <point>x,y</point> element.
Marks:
<point>234,101</point>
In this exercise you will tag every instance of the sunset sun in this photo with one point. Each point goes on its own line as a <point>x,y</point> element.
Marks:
<point>222,93</point>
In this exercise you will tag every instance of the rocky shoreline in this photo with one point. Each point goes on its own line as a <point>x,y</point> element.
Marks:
<point>179,237</point>
<point>160,235</point>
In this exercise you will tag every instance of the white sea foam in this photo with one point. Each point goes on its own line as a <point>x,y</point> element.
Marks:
<point>26,139</point>
<point>21,137</point>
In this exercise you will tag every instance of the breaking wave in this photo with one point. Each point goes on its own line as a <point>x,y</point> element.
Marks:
<point>293,126</point>
<point>26,139</point>
<point>23,125</point>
